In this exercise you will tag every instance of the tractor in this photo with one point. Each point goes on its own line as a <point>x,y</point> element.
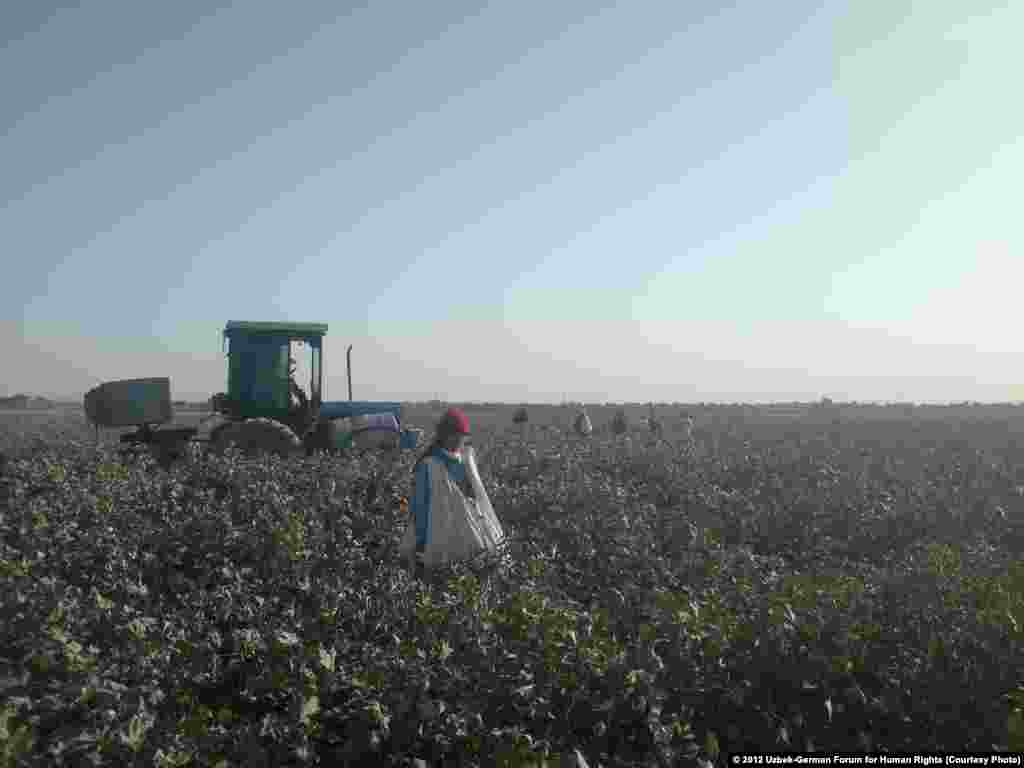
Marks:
<point>264,409</point>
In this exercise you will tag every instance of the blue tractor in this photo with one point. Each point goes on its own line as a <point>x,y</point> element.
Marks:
<point>264,410</point>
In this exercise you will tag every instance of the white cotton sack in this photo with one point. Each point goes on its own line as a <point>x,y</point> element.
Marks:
<point>492,529</point>
<point>460,527</point>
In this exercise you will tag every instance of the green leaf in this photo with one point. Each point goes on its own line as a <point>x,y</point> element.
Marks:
<point>443,650</point>
<point>1015,731</point>
<point>136,629</point>
<point>136,735</point>
<point>647,633</point>
<point>14,742</point>
<point>328,658</point>
<point>309,708</point>
<point>711,746</point>
<point>173,759</point>
<point>376,713</point>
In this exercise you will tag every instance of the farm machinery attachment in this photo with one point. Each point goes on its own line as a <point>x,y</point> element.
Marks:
<point>264,409</point>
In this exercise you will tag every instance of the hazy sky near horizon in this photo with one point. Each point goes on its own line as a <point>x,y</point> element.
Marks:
<point>522,201</point>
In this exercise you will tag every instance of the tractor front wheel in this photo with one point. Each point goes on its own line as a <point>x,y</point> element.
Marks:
<point>256,436</point>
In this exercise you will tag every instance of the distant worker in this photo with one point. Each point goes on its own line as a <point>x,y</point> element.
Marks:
<point>583,426</point>
<point>451,515</point>
<point>687,425</point>
<point>653,424</point>
<point>687,422</point>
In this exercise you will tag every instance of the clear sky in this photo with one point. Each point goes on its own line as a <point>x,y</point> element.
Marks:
<point>519,201</point>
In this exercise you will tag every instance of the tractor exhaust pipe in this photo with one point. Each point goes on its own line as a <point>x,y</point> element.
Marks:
<point>348,361</point>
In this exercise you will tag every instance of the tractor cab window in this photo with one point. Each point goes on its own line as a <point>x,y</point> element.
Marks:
<point>298,375</point>
<point>315,375</point>
<point>257,372</point>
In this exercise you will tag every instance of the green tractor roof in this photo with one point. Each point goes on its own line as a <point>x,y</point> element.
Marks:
<point>290,329</point>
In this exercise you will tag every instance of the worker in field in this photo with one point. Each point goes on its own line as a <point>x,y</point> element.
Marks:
<point>653,424</point>
<point>451,515</point>
<point>686,421</point>
<point>688,443</point>
<point>583,426</point>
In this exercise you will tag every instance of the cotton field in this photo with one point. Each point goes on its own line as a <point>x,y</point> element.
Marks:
<point>744,581</point>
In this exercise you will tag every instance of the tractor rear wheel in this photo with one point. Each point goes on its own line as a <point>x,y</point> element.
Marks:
<point>256,436</point>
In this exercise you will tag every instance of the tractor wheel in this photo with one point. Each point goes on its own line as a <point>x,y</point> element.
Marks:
<point>255,436</point>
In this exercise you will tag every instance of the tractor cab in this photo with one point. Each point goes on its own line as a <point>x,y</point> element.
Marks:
<point>262,371</point>
<point>263,384</point>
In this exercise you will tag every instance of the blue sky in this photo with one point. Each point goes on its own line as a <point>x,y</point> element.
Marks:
<point>519,201</point>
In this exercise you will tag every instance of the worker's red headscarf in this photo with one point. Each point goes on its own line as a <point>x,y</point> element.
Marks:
<point>454,422</point>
